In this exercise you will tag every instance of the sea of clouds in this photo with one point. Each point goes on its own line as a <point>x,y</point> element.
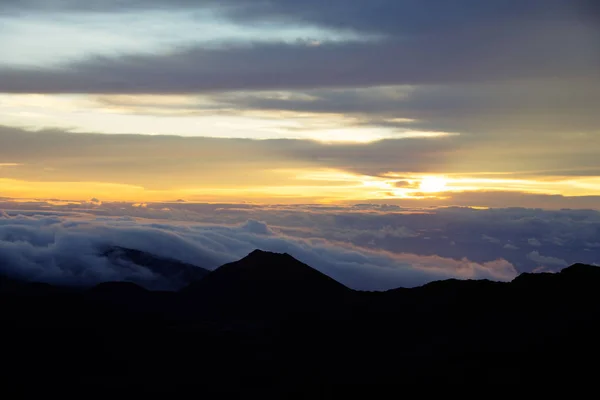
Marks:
<point>367,247</point>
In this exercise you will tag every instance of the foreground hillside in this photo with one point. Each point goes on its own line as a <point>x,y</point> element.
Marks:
<point>269,324</point>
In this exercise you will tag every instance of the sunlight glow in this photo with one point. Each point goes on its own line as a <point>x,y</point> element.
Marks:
<point>432,184</point>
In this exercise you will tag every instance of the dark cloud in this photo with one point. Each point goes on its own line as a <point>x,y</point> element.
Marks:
<point>151,161</point>
<point>499,199</point>
<point>386,16</point>
<point>431,42</point>
<point>546,107</point>
<point>464,58</point>
<point>549,263</point>
<point>407,184</point>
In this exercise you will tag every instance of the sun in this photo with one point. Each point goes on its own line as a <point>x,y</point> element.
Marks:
<point>433,184</point>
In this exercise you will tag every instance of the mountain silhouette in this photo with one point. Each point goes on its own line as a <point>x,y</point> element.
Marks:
<point>270,325</point>
<point>263,273</point>
<point>266,283</point>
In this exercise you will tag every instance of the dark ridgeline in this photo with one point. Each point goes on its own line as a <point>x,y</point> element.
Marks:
<point>171,274</point>
<point>271,325</point>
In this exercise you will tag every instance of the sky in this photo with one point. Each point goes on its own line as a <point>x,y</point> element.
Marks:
<point>385,142</point>
<point>429,102</point>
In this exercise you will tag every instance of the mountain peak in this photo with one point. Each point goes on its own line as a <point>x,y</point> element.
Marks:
<point>267,276</point>
<point>262,255</point>
<point>273,267</point>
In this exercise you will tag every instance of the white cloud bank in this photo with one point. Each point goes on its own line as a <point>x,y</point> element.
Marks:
<point>68,249</point>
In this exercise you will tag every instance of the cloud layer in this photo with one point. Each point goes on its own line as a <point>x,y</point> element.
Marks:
<point>69,250</point>
<point>364,246</point>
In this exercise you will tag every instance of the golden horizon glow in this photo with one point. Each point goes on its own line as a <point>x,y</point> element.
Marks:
<point>300,186</point>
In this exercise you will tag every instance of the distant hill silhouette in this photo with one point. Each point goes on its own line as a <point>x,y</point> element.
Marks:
<point>172,274</point>
<point>269,325</point>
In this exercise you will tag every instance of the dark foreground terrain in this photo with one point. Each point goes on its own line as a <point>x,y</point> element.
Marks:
<point>269,325</point>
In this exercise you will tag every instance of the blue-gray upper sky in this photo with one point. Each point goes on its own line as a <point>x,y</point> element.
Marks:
<point>183,47</point>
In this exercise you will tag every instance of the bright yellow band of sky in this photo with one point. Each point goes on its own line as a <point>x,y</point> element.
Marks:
<point>328,186</point>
